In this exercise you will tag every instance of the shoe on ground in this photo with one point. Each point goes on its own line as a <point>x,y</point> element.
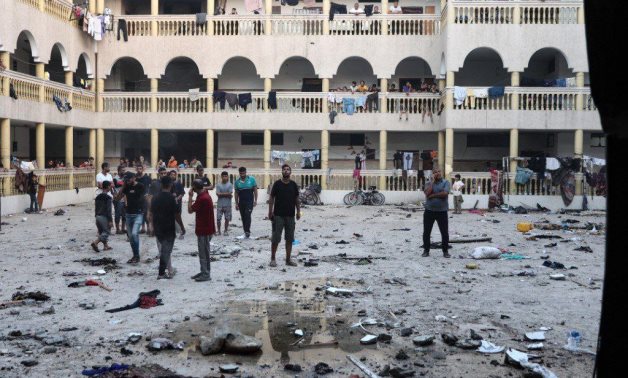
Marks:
<point>425,254</point>
<point>164,276</point>
<point>291,262</point>
<point>95,247</point>
<point>273,263</point>
<point>133,260</point>
<point>202,278</point>
<point>197,275</point>
<point>446,255</point>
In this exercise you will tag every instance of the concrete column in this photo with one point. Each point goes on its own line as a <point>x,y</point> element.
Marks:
<point>514,152</point>
<point>69,154</point>
<point>268,10</point>
<point>578,150</point>
<point>39,72</point>
<point>441,85</point>
<point>91,7</point>
<point>100,6</point>
<point>69,81</point>
<point>514,82</point>
<point>210,98</point>
<point>100,148</point>
<point>581,14</point>
<point>267,147</point>
<point>441,150</point>
<point>324,157</point>
<point>326,7</point>
<point>5,142</point>
<point>383,151</point>
<point>154,88</point>
<point>4,58</point>
<point>154,147</point>
<point>451,14</point>
<point>100,88</point>
<point>209,149</point>
<point>92,143</point>
<point>580,84</point>
<point>40,145</point>
<point>516,14</point>
<point>267,88</point>
<point>449,83</point>
<point>154,11</point>
<point>211,6</point>
<point>325,90</point>
<point>41,4</point>
<point>449,152</point>
<point>383,99</point>
<point>384,10</point>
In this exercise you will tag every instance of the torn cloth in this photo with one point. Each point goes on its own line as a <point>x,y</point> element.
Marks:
<point>145,300</point>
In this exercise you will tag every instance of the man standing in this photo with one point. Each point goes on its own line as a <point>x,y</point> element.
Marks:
<point>143,179</point>
<point>163,211</point>
<point>245,199</point>
<point>118,206</point>
<point>284,199</point>
<point>178,192</point>
<point>135,202</point>
<point>436,206</point>
<point>200,175</point>
<point>103,176</point>
<point>104,221</point>
<point>456,190</point>
<point>204,209</point>
<point>224,192</point>
<point>153,189</point>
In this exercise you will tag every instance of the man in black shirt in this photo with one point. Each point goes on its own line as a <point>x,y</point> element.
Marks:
<point>162,216</point>
<point>135,202</point>
<point>104,220</point>
<point>154,188</point>
<point>178,191</point>
<point>207,185</point>
<point>145,180</point>
<point>284,198</point>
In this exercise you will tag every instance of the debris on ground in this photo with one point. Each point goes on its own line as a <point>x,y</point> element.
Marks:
<point>39,296</point>
<point>322,368</point>
<point>486,253</point>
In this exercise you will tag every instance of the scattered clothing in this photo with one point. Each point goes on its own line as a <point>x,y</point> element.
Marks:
<point>551,164</point>
<point>145,300</point>
<point>523,175</point>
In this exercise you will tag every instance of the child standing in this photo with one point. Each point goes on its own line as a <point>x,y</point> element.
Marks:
<point>456,190</point>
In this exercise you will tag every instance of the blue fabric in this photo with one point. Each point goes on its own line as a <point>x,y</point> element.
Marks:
<point>523,175</point>
<point>561,82</point>
<point>133,224</point>
<point>438,204</point>
<point>245,189</point>
<point>360,101</point>
<point>103,370</point>
<point>496,92</point>
<point>348,106</point>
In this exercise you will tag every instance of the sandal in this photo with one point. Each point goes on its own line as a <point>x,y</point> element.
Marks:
<point>95,247</point>
<point>133,260</point>
<point>291,263</point>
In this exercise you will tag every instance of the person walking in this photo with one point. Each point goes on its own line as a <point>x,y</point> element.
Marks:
<point>284,199</point>
<point>245,199</point>
<point>104,220</point>
<point>436,206</point>
<point>203,207</point>
<point>163,211</point>
<point>178,191</point>
<point>118,206</point>
<point>145,180</point>
<point>224,192</point>
<point>133,191</point>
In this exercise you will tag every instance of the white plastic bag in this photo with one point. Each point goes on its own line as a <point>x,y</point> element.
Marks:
<point>486,253</point>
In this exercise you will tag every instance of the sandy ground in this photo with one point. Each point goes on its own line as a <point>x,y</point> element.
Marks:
<point>248,296</point>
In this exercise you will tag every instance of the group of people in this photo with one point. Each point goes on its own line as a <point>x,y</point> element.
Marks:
<point>131,201</point>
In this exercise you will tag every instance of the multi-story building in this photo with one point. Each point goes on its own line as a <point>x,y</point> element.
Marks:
<point>138,77</point>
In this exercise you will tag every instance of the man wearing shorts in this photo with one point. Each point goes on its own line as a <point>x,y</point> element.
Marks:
<point>224,192</point>
<point>284,199</point>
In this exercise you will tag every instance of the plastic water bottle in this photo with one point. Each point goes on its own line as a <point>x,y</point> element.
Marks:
<point>573,340</point>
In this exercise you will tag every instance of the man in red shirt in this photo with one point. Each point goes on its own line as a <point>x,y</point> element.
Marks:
<point>205,226</point>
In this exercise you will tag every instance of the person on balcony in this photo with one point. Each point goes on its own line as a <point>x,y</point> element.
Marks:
<point>362,87</point>
<point>354,86</point>
<point>395,8</point>
<point>195,163</point>
<point>356,10</point>
<point>173,163</point>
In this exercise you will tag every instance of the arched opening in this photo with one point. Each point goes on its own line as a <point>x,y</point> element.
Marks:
<point>416,71</point>
<point>353,69</point>
<point>482,67</point>
<point>239,74</point>
<point>22,60</point>
<point>297,74</point>
<point>57,63</point>
<point>181,75</point>
<point>547,67</point>
<point>127,75</point>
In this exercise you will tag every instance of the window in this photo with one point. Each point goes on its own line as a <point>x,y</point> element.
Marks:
<point>257,139</point>
<point>346,139</point>
<point>598,140</point>
<point>488,140</point>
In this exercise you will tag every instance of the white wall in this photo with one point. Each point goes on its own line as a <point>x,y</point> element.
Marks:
<point>17,204</point>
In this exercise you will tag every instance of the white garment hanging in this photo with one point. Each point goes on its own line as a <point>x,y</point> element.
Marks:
<point>407,160</point>
<point>193,94</point>
<point>480,92</point>
<point>551,164</point>
<point>460,94</point>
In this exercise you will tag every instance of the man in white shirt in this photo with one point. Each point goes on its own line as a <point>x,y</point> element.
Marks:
<point>104,175</point>
<point>395,8</point>
<point>456,190</point>
<point>356,10</point>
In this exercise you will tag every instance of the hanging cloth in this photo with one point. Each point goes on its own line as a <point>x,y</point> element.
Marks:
<point>460,94</point>
<point>193,94</point>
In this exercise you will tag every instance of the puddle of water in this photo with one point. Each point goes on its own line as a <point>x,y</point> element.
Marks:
<point>328,335</point>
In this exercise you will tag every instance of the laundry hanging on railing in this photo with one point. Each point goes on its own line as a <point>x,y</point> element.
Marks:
<point>480,92</point>
<point>193,94</point>
<point>12,92</point>
<point>460,94</point>
<point>272,100</point>
<point>201,19</point>
<point>494,92</point>
<point>291,158</point>
<point>220,96</point>
<point>348,106</point>
<point>336,9</point>
<point>311,159</point>
<point>372,101</point>
<point>232,100</point>
<point>244,99</point>
<point>62,106</point>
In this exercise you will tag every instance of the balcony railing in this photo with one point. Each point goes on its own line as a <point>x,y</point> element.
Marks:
<point>530,98</point>
<point>54,179</point>
<point>516,12</point>
<point>60,9</point>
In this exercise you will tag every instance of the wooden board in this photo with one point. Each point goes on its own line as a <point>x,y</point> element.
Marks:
<point>41,190</point>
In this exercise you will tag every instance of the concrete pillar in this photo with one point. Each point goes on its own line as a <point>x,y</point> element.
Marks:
<point>100,88</point>
<point>154,88</point>
<point>40,145</point>
<point>209,149</point>
<point>441,150</point>
<point>324,157</point>
<point>325,90</point>
<point>267,147</point>
<point>39,72</point>
<point>326,7</point>
<point>441,85</point>
<point>41,4</point>
<point>578,150</point>
<point>449,95</point>
<point>154,11</point>
<point>516,14</point>
<point>383,151</point>
<point>268,10</point>
<point>514,82</point>
<point>383,98</point>
<point>91,6</point>
<point>5,142</point>
<point>267,88</point>
<point>449,152</point>
<point>451,14</point>
<point>211,6</point>
<point>581,14</point>
<point>92,143</point>
<point>384,10</point>
<point>154,147</point>
<point>580,84</point>
<point>69,81</point>
<point>210,98</point>
<point>69,154</point>
<point>100,6</point>
<point>5,59</point>
<point>100,148</point>
<point>514,152</point>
